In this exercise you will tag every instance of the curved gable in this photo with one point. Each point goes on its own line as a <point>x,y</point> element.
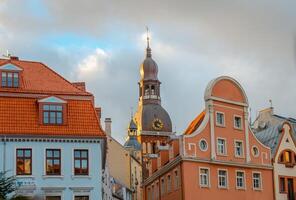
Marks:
<point>226,88</point>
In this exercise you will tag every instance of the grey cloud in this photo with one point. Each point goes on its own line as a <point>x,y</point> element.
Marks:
<point>253,41</point>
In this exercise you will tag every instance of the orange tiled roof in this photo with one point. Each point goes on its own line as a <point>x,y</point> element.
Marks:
<point>20,116</point>
<point>195,123</point>
<point>38,78</point>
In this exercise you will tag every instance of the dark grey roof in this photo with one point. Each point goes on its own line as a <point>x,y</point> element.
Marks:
<point>148,113</point>
<point>132,142</point>
<point>270,137</point>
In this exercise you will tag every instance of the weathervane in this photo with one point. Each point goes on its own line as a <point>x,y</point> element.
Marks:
<point>148,39</point>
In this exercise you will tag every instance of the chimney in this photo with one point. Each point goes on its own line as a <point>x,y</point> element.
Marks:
<point>80,85</point>
<point>99,113</point>
<point>108,126</point>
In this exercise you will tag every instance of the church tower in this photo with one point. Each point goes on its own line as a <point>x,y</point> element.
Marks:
<point>153,122</point>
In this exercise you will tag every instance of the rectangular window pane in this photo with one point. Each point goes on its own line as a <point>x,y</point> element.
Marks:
<point>83,154</point>
<point>59,108</point>
<point>45,107</point>
<point>77,154</point>
<point>4,79</point>
<point>9,79</point>
<point>240,180</point>
<point>52,116</point>
<point>15,80</point>
<point>53,161</point>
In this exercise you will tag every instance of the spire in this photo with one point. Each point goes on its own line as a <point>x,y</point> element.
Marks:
<point>148,49</point>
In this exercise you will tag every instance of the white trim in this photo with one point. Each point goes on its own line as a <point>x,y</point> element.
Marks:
<point>241,121</point>
<point>208,178</point>
<point>212,129</point>
<point>10,67</point>
<point>44,163</point>
<point>261,182</point>
<point>207,145</point>
<point>190,146</point>
<point>247,136</point>
<point>225,146</point>
<point>227,101</point>
<point>244,181</point>
<point>243,152</point>
<point>212,83</point>
<point>216,119</point>
<point>227,185</point>
<point>52,99</point>
<point>202,126</point>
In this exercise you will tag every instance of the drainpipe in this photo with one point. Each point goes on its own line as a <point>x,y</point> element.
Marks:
<point>4,154</point>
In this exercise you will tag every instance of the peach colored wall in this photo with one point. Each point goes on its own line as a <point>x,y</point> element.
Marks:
<point>193,191</point>
<point>174,193</point>
<point>226,89</point>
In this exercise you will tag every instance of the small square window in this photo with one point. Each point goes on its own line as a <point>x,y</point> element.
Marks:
<point>10,79</point>
<point>220,121</point>
<point>237,122</point>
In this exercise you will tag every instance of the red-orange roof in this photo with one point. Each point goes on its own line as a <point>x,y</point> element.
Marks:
<point>38,78</point>
<point>195,123</point>
<point>20,116</point>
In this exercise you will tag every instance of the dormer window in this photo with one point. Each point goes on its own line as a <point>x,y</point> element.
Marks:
<point>52,111</point>
<point>52,114</point>
<point>10,76</point>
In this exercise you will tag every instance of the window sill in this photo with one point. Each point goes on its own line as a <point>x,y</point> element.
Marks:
<point>224,155</point>
<point>25,176</point>
<point>257,189</point>
<point>204,186</point>
<point>240,188</point>
<point>222,188</point>
<point>240,157</point>
<point>237,128</point>
<point>80,176</point>
<point>220,125</point>
<point>53,176</point>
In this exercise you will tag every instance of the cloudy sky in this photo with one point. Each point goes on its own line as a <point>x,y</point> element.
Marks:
<point>102,43</point>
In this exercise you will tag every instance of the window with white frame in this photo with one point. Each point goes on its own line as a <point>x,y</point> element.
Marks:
<point>221,144</point>
<point>204,177</point>
<point>203,145</point>
<point>238,148</point>
<point>238,122</point>
<point>256,180</point>
<point>220,121</point>
<point>222,178</point>
<point>240,179</point>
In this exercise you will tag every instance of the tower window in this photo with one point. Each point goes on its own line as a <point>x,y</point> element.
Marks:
<point>10,79</point>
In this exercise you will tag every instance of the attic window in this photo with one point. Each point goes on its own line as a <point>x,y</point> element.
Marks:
<point>52,111</point>
<point>10,79</point>
<point>52,114</point>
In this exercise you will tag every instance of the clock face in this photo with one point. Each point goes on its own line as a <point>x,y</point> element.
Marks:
<point>157,124</point>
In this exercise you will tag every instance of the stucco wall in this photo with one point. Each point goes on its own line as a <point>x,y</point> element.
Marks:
<point>281,169</point>
<point>67,180</point>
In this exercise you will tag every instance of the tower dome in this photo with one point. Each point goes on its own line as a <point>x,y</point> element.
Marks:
<point>149,68</point>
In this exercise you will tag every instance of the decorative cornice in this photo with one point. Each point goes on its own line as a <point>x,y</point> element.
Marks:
<point>50,139</point>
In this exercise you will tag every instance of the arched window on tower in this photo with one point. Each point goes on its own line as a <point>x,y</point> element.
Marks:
<point>146,94</point>
<point>152,90</point>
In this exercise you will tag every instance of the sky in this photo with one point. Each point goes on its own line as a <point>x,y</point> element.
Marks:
<point>103,43</point>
